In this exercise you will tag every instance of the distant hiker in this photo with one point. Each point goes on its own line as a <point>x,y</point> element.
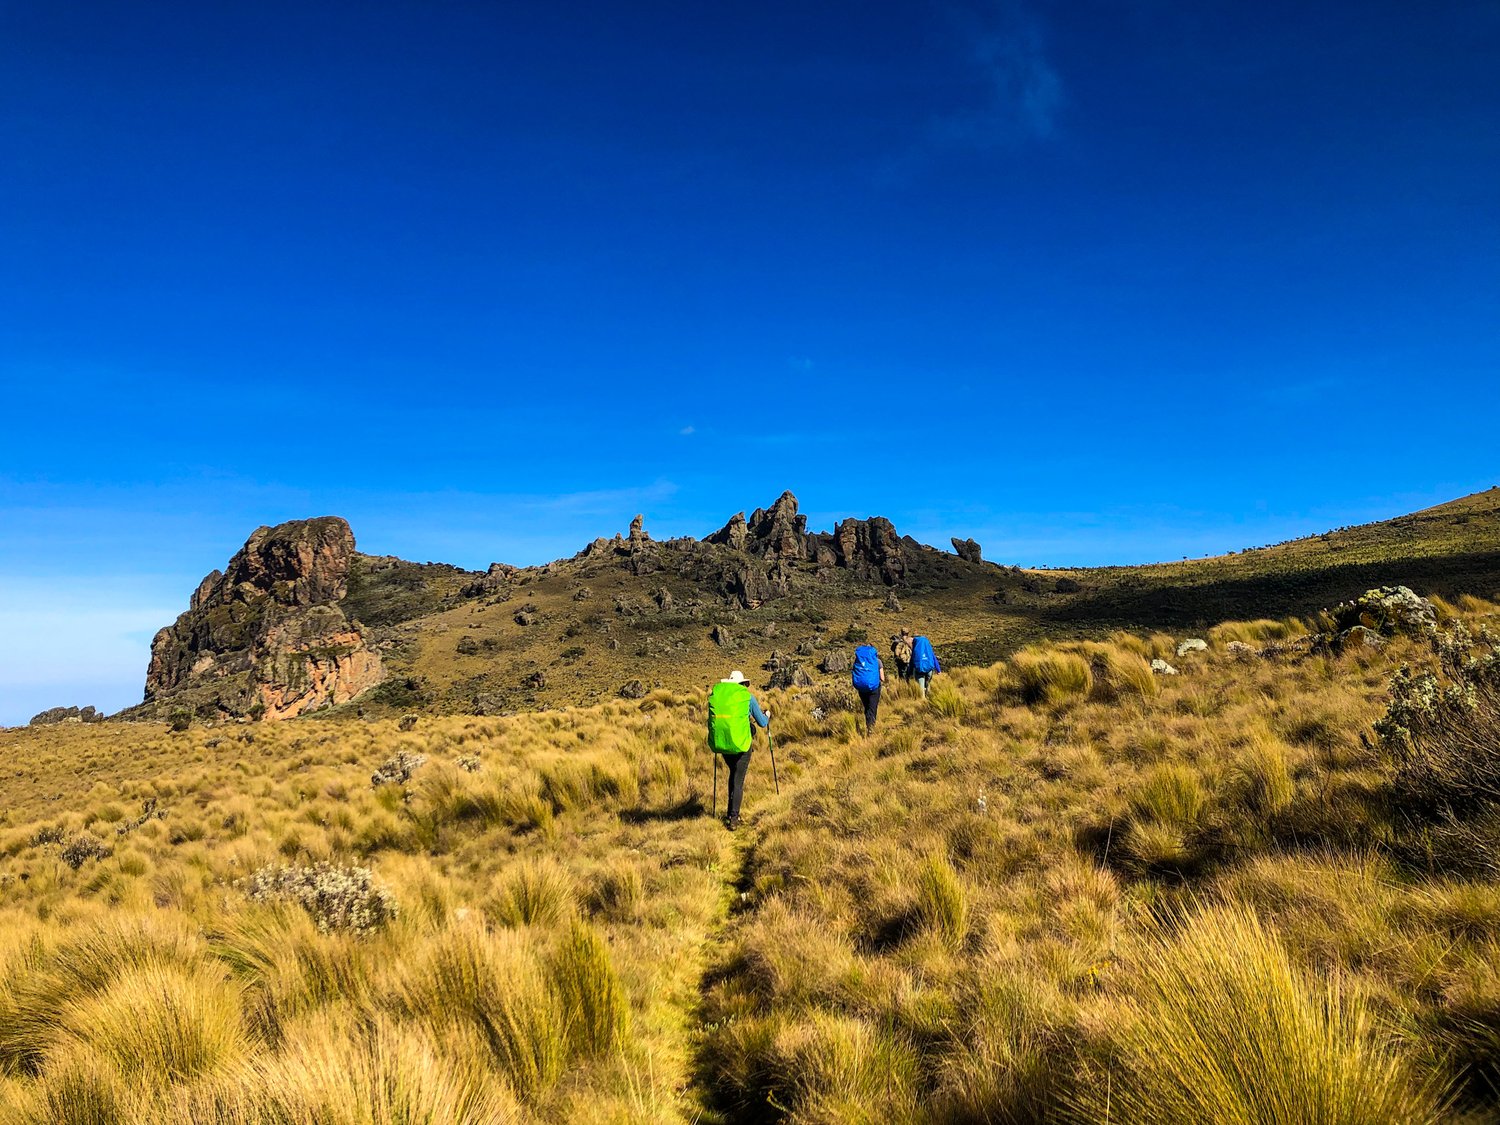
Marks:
<point>731,710</point>
<point>869,678</point>
<point>901,650</point>
<point>924,663</point>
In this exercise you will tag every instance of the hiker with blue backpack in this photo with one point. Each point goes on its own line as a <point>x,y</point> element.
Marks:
<point>924,663</point>
<point>731,711</point>
<point>869,678</point>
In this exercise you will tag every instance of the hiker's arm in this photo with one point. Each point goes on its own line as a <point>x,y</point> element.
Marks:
<point>762,718</point>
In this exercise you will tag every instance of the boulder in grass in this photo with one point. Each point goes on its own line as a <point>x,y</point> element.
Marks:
<point>1192,644</point>
<point>1162,668</point>
<point>1387,610</point>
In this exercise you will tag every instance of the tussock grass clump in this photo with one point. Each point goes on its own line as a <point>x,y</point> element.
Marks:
<point>1221,1026</point>
<point>1014,1060</point>
<point>1050,677</point>
<point>160,1023</point>
<point>1119,672</point>
<point>618,893</point>
<point>1264,774</point>
<point>522,805</point>
<point>534,893</point>
<point>942,905</point>
<point>826,1070</point>
<point>497,990</point>
<point>947,700</point>
<point>374,1075</point>
<point>1167,815</point>
<point>595,1013</point>
<point>81,1088</point>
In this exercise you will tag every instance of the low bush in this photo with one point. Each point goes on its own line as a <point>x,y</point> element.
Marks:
<point>398,769</point>
<point>1442,733</point>
<point>337,898</point>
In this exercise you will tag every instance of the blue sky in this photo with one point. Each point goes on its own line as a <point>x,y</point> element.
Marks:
<point>1105,280</point>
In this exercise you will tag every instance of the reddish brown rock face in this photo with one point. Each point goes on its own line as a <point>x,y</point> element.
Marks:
<point>267,632</point>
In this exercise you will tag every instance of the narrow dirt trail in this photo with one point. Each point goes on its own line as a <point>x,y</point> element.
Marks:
<point>735,854</point>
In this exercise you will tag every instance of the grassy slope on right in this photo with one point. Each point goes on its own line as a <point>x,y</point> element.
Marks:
<point>1451,549</point>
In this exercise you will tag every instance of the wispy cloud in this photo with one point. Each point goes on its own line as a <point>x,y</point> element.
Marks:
<point>686,431</point>
<point>1020,91</point>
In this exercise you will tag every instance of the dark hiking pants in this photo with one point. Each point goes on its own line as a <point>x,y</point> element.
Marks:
<point>870,697</point>
<point>738,765</point>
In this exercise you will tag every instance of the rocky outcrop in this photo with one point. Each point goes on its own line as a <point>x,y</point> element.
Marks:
<point>265,637</point>
<point>967,549</point>
<point>496,580</point>
<point>778,532</point>
<point>734,534</point>
<point>870,549</point>
<point>66,715</point>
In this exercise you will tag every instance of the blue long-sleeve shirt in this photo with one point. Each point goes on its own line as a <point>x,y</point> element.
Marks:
<point>757,714</point>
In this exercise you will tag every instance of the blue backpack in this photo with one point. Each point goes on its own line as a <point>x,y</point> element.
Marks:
<point>866,668</point>
<point>924,661</point>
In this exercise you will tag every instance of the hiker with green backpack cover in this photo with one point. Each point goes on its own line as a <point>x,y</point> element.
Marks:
<point>731,712</point>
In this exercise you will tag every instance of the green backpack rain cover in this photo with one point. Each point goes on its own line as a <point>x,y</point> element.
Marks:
<point>729,730</point>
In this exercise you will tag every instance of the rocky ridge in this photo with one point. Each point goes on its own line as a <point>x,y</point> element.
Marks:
<point>266,637</point>
<point>274,635</point>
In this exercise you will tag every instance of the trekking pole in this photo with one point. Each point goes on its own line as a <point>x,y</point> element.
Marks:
<point>771,745</point>
<point>714,808</point>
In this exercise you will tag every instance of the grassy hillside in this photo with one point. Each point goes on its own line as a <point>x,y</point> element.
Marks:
<point>1060,889</point>
<point>594,625</point>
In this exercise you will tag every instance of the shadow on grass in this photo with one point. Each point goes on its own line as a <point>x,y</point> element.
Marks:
<point>1153,602</point>
<point>685,809</point>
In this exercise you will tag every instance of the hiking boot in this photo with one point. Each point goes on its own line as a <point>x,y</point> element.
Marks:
<point>732,822</point>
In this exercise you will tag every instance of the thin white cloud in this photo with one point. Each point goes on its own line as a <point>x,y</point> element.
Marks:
<point>686,430</point>
<point>1021,92</point>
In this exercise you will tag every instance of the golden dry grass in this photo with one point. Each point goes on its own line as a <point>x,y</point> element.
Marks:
<point>1053,877</point>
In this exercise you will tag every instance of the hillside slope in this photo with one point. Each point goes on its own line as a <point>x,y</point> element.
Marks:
<point>788,605</point>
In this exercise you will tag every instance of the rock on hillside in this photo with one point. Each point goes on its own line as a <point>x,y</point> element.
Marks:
<point>266,637</point>
<point>66,715</point>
